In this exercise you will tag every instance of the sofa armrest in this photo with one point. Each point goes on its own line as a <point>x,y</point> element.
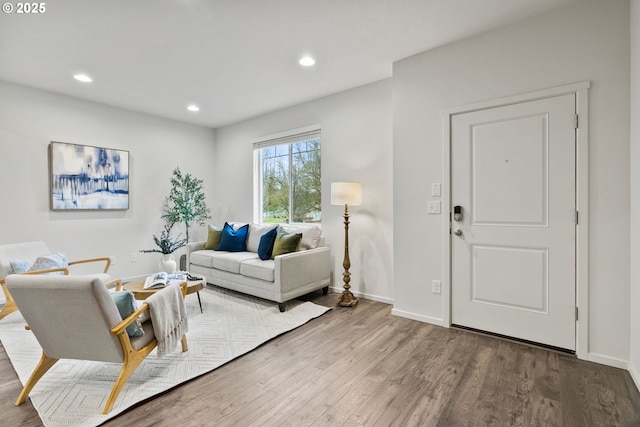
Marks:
<point>295,269</point>
<point>193,246</point>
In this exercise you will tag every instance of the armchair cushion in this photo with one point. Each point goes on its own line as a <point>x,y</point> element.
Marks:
<point>44,262</point>
<point>126,304</point>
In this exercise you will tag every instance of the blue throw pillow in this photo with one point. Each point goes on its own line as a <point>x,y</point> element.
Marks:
<point>266,243</point>
<point>233,241</point>
<point>126,305</point>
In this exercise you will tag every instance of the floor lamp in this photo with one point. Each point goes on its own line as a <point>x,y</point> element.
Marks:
<point>346,193</point>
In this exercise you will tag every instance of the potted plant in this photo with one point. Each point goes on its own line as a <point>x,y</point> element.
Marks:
<point>167,245</point>
<point>185,203</point>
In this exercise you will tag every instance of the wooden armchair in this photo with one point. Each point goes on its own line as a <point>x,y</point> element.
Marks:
<point>75,317</point>
<point>25,250</point>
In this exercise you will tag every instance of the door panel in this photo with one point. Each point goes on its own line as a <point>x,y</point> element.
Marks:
<point>510,188</point>
<point>522,282</point>
<point>513,264</point>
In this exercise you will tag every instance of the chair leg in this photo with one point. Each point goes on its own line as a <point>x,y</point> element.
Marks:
<point>10,305</point>
<point>9,308</point>
<point>128,368</point>
<point>184,343</point>
<point>44,365</point>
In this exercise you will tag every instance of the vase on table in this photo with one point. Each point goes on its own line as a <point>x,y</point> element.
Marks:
<point>167,264</point>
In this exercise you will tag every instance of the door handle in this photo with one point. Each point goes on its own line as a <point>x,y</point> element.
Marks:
<point>458,232</point>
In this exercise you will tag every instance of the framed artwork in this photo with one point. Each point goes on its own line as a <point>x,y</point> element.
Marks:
<point>85,177</point>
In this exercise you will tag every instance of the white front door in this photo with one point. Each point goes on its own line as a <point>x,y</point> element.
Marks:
<point>513,249</point>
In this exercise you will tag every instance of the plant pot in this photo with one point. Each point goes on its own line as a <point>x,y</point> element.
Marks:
<point>167,264</point>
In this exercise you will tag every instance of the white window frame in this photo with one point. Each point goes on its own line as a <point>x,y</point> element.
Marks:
<point>287,137</point>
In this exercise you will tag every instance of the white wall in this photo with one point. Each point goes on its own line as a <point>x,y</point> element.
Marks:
<point>356,146</point>
<point>634,232</point>
<point>585,41</point>
<point>31,118</point>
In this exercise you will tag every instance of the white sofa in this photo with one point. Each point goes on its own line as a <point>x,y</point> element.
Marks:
<point>281,279</point>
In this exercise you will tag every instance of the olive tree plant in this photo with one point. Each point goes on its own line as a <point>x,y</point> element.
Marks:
<point>185,202</point>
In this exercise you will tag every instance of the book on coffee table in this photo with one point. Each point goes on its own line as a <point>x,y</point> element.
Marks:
<point>162,279</point>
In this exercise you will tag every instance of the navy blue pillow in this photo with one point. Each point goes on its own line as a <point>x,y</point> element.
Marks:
<point>266,243</point>
<point>233,241</point>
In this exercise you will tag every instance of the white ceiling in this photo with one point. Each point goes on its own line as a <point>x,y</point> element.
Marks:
<point>234,58</point>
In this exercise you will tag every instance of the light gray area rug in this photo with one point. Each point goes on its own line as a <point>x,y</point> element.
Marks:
<point>73,393</point>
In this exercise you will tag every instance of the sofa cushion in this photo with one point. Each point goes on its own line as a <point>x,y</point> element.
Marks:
<point>311,234</point>
<point>286,243</point>
<point>203,258</point>
<point>265,248</point>
<point>256,231</point>
<point>230,261</point>
<point>213,237</point>
<point>233,240</point>
<point>258,269</point>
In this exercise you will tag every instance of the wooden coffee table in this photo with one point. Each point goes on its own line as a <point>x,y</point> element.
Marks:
<point>137,287</point>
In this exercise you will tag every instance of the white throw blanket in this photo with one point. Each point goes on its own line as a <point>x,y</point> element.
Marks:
<point>169,318</point>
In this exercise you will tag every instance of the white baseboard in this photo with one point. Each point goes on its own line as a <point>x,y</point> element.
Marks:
<point>635,375</point>
<point>418,317</point>
<point>377,298</point>
<point>608,360</point>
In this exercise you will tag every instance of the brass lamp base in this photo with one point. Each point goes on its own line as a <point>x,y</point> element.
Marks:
<point>347,299</point>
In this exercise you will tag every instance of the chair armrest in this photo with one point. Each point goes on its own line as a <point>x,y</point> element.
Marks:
<point>106,260</point>
<point>303,267</point>
<point>65,270</point>
<point>122,326</point>
<point>117,282</point>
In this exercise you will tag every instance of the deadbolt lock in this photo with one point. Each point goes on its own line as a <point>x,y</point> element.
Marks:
<point>457,213</point>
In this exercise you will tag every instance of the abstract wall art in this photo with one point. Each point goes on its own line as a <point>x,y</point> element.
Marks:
<point>86,177</point>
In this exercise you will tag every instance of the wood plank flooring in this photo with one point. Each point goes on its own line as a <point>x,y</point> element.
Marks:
<point>365,367</point>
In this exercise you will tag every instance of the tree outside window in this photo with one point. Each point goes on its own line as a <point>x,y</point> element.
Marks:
<point>290,182</point>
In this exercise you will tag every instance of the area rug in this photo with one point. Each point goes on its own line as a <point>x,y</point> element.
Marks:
<point>73,393</point>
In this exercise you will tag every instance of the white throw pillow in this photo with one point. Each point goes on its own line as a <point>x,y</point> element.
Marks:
<point>310,234</point>
<point>255,233</point>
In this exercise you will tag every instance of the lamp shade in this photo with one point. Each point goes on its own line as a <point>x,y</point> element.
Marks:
<point>346,193</point>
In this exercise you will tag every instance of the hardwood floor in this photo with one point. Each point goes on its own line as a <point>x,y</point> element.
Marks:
<point>365,367</point>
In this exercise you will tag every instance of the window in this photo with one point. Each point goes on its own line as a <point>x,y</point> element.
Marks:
<point>287,180</point>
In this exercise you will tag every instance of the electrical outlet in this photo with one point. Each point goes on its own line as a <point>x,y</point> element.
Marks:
<point>113,259</point>
<point>435,286</point>
<point>133,257</point>
<point>433,207</point>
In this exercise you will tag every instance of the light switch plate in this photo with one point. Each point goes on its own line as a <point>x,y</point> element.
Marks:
<point>433,207</point>
<point>435,286</point>
<point>435,189</point>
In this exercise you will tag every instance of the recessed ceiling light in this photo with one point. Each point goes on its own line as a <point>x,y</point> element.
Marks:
<point>83,78</point>
<point>307,61</point>
<point>193,108</point>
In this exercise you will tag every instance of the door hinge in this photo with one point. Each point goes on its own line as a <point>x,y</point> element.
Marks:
<point>575,121</point>
<point>577,217</point>
<point>576,313</point>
